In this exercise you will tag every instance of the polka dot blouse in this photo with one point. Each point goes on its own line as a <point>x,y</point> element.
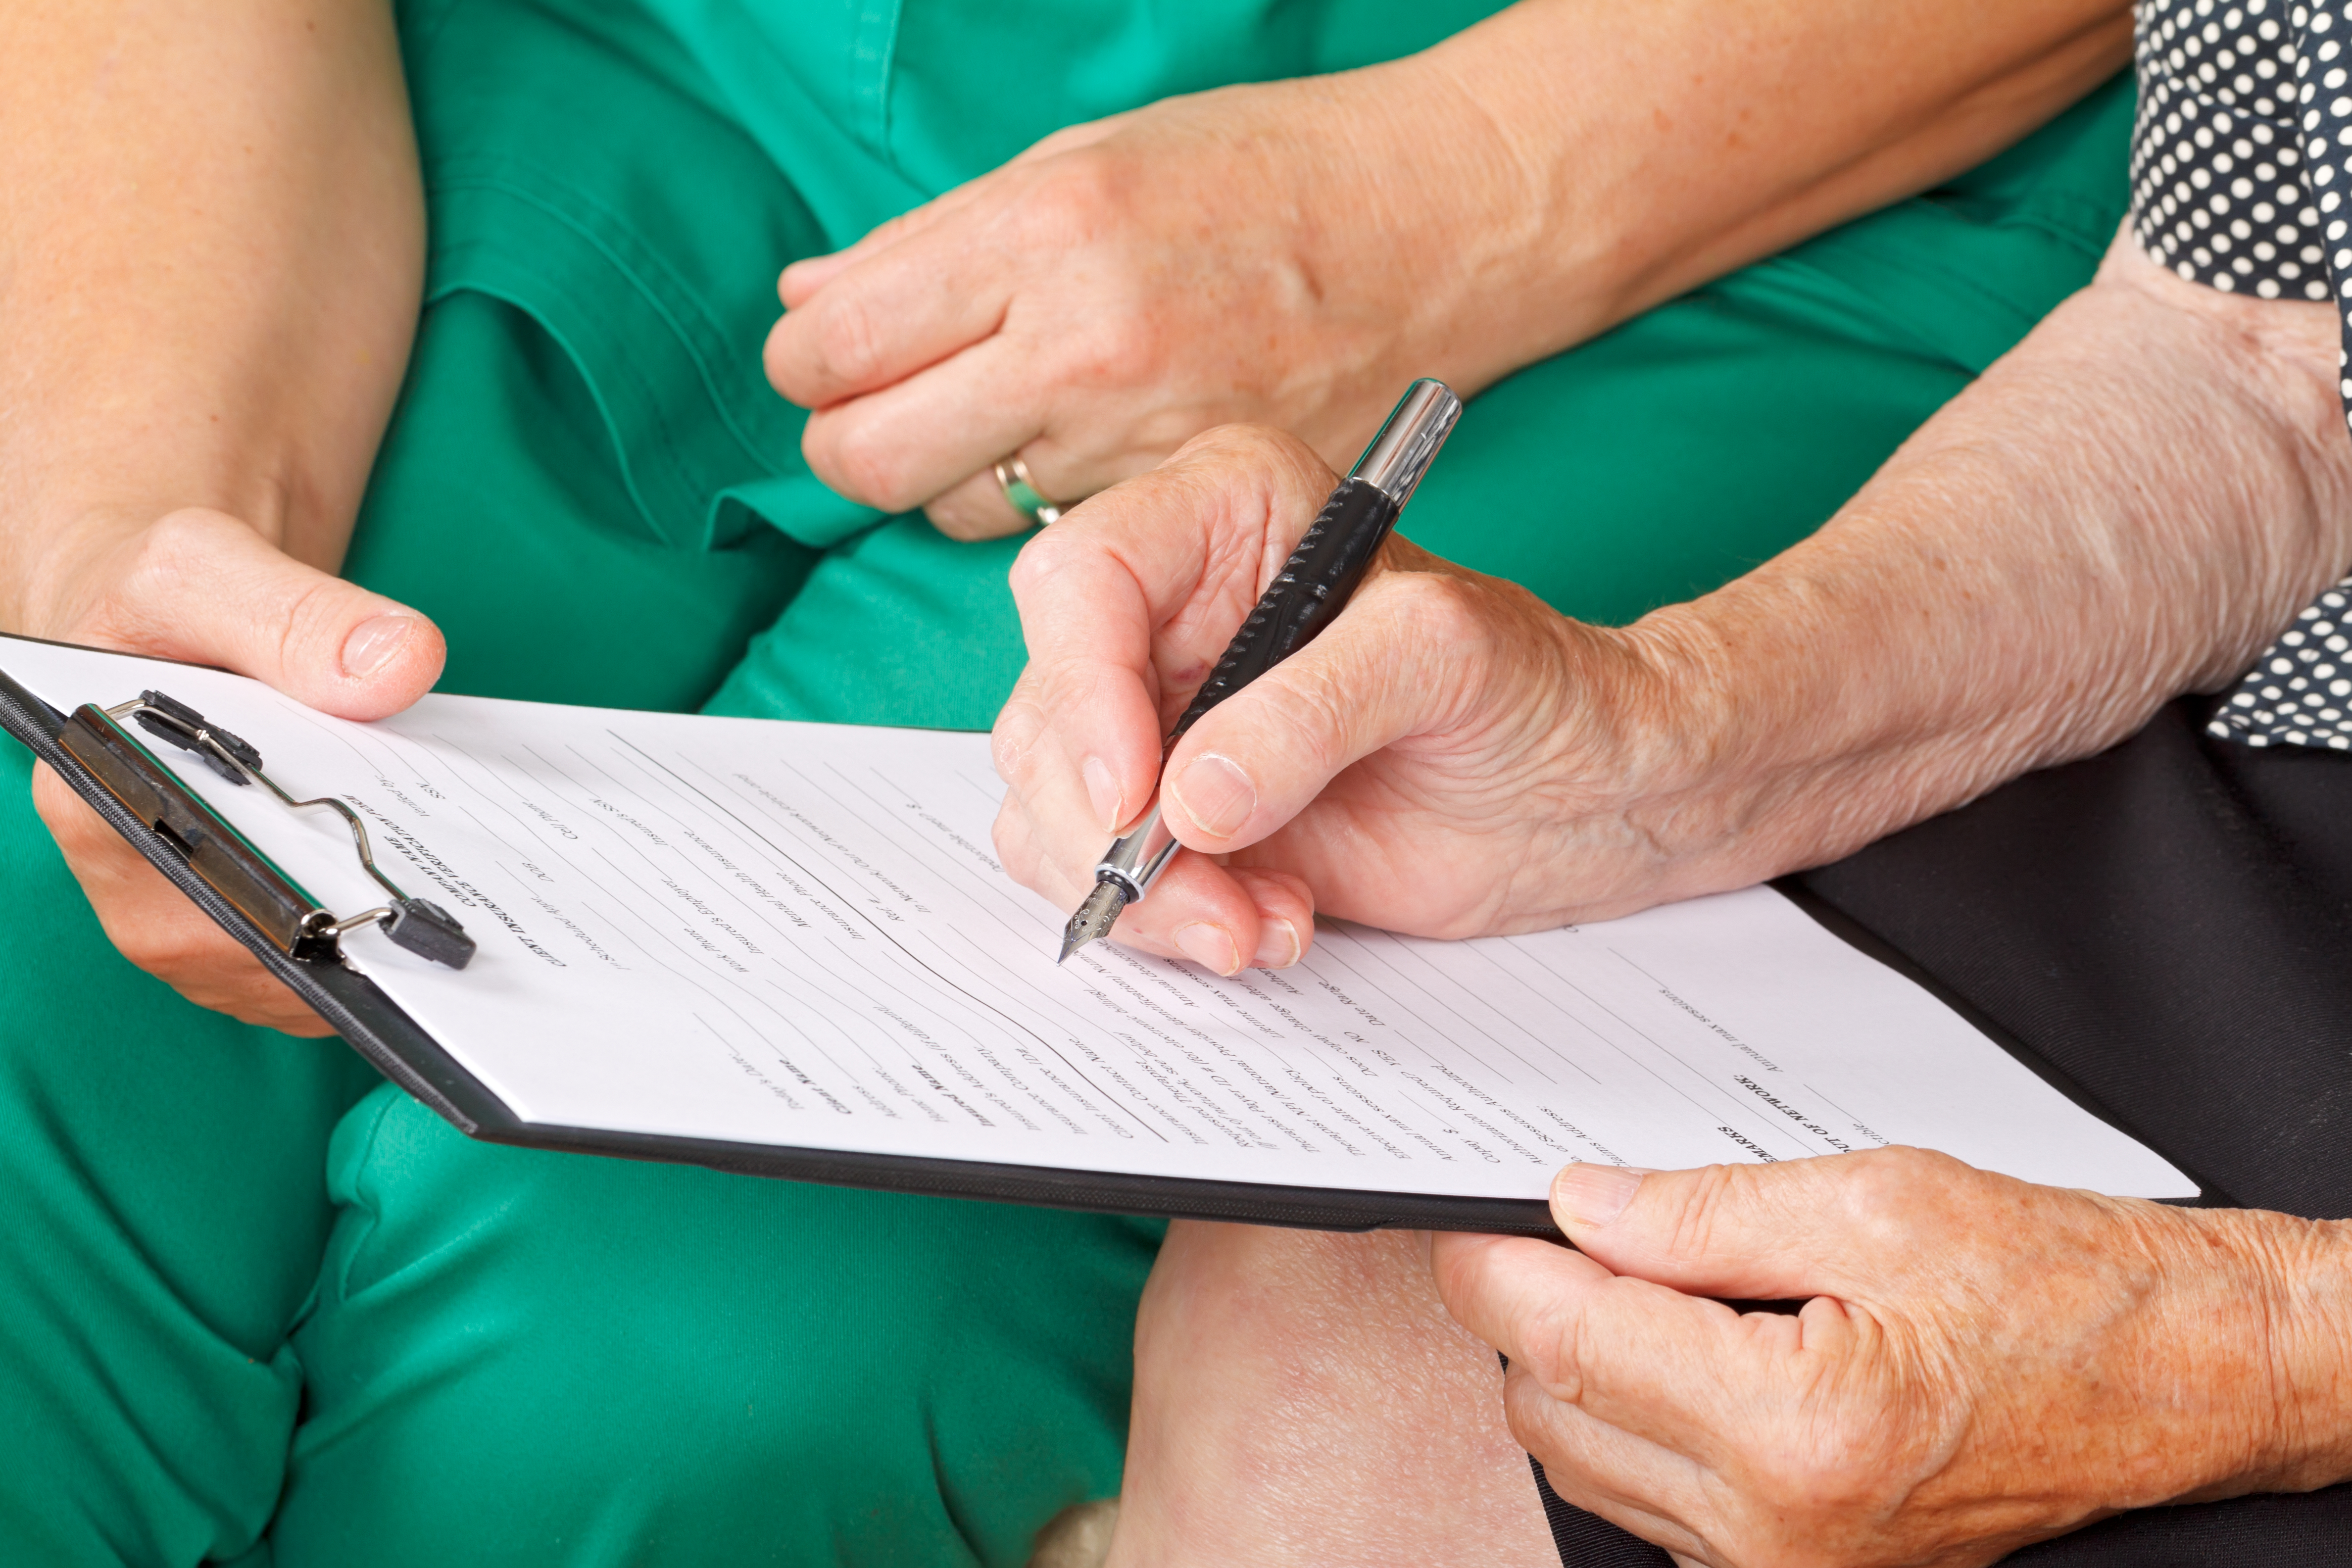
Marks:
<point>2241,180</point>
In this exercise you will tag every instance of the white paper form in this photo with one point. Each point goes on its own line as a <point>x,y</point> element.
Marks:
<point>798,935</point>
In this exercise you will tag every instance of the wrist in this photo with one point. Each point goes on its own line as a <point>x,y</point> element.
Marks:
<point>2295,1277</point>
<point>1777,743</point>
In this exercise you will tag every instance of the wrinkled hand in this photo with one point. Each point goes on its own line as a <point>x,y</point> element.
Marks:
<point>201,586</point>
<point>1451,757</point>
<point>1979,1363</point>
<point>1288,254</point>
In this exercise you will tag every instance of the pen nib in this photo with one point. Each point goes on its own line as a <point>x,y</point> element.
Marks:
<point>1095,917</point>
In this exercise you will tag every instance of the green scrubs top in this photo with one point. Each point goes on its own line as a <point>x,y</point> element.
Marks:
<point>259,1311</point>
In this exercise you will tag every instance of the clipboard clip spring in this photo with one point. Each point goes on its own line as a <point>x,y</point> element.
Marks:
<point>419,925</point>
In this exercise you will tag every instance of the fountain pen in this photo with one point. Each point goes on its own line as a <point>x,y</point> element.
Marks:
<point>1304,597</point>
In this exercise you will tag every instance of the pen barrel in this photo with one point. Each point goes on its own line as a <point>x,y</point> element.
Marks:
<point>1304,597</point>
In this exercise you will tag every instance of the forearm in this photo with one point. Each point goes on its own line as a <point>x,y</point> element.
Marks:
<point>211,247</point>
<point>1617,155</point>
<point>2127,508</point>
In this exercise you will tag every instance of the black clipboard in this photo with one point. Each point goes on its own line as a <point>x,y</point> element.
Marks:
<point>375,1027</point>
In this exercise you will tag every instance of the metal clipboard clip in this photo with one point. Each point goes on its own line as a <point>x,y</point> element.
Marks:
<point>95,738</point>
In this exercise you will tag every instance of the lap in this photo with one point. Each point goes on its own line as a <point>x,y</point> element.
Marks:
<point>165,1216</point>
<point>520,1356</point>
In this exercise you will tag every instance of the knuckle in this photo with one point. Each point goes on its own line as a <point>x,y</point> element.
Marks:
<point>1446,609</point>
<point>173,949</point>
<point>1017,846</point>
<point>155,571</point>
<point>1881,1184</point>
<point>1701,1206</point>
<point>178,535</point>
<point>163,953</point>
<point>866,464</point>
<point>1556,1350</point>
<point>1048,553</point>
<point>176,546</point>
<point>1317,709</point>
<point>1258,445</point>
<point>1812,1482</point>
<point>1010,745</point>
<point>848,341</point>
<point>1075,197</point>
<point>1119,349</point>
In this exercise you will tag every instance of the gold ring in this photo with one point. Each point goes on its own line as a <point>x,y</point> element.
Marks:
<point>1022,491</point>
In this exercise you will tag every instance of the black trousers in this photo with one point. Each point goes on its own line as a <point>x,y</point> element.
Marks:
<point>2170,924</point>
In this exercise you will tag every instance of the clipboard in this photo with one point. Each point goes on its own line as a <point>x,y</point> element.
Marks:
<point>102,758</point>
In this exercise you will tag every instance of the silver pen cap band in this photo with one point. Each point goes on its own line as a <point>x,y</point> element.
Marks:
<point>1417,427</point>
<point>1141,853</point>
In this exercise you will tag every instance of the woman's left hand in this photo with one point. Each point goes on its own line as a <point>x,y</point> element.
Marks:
<point>1979,1363</point>
<point>1293,253</point>
<point>1239,255</point>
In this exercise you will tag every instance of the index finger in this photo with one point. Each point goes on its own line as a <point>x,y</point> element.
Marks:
<point>1127,603</point>
<point>803,278</point>
<point>896,303</point>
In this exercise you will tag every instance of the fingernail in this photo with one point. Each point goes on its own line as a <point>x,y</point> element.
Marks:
<point>1278,945</point>
<point>1217,794</point>
<point>1211,947</point>
<point>1595,1194</point>
<point>1103,795</point>
<point>372,644</point>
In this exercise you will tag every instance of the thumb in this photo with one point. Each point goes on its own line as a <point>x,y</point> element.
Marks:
<point>1395,665</point>
<point>1763,1233</point>
<point>201,586</point>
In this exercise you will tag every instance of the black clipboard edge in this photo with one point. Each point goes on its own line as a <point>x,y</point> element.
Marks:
<point>393,1042</point>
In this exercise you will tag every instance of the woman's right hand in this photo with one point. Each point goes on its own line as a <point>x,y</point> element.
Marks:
<point>2055,554</point>
<point>1452,757</point>
<point>203,587</point>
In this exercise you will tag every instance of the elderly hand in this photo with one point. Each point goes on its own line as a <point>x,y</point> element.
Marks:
<point>201,586</point>
<point>1979,1363</point>
<point>2046,562</point>
<point>1450,757</point>
<point>1290,253</point>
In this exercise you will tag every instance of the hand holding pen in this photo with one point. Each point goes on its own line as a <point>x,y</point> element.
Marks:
<point>1308,593</point>
<point>1402,769</point>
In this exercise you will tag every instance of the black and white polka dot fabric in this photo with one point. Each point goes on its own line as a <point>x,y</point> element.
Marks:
<point>2242,179</point>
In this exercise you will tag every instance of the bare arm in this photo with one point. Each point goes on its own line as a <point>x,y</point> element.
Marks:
<point>2127,506</point>
<point>211,249</point>
<point>1290,253</point>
